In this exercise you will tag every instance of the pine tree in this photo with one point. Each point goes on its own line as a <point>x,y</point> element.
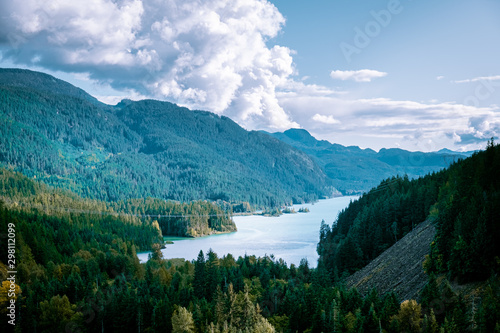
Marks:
<point>372,323</point>
<point>213,276</point>
<point>182,321</point>
<point>199,276</point>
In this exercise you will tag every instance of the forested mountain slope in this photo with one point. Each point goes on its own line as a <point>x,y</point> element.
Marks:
<point>21,78</point>
<point>355,170</point>
<point>58,133</point>
<point>196,218</point>
<point>463,202</point>
<point>77,270</point>
<point>462,205</point>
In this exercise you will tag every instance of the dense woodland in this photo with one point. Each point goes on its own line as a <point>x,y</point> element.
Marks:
<point>58,133</point>
<point>463,202</point>
<point>65,137</point>
<point>76,256</point>
<point>197,218</point>
<point>78,271</point>
<point>192,219</point>
<point>375,221</point>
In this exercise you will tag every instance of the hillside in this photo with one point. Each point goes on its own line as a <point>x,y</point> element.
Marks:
<point>356,170</point>
<point>196,218</point>
<point>463,201</point>
<point>77,269</point>
<point>15,77</point>
<point>59,134</point>
<point>399,268</point>
<point>379,244</point>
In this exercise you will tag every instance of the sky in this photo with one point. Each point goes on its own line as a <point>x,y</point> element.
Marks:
<point>418,75</point>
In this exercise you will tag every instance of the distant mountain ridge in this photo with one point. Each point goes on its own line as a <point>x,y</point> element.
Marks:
<point>58,133</point>
<point>356,170</point>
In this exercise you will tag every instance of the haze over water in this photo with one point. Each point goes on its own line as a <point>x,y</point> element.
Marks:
<point>289,236</point>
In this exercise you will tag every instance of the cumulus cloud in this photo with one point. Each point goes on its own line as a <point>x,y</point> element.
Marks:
<point>363,75</point>
<point>212,55</point>
<point>480,78</point>
<point>202,54</point>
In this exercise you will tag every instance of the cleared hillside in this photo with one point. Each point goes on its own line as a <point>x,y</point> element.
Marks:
<point>399,268</point>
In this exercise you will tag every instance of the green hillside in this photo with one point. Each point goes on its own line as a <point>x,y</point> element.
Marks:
<point>196,218</point>
<point>356,170</point>
<point>59,134</point>
<point>77,270</point>
<point>463,202</point>
<point>21,78</point>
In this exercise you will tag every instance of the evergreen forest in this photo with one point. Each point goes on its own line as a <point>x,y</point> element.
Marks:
<point>78,271</point>
<point>59,134</point>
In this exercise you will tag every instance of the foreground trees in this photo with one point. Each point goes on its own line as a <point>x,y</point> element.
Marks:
<point>77,270</point>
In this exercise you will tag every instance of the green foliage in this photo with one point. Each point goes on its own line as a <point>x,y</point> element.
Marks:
<point>91,282</point>
<point>466,245</point>
<point>58,315</point>
<point>77,266</point>
<point>375,221</point>
<point>58,133</point>
<point>463,201</point>
<point>197,218</point>
<point>172,218</point>
<point>182,321</point>
<point>410,316</point>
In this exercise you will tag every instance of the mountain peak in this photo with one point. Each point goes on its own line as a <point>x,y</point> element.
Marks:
<point>24,78</point>
<point>302,136</point>
<point>298,134</point>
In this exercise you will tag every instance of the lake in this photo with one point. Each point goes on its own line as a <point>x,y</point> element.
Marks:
<point>289,236</point>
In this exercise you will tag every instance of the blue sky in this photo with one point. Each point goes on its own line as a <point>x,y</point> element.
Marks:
<point>420,75</point>
<point>424,40</point>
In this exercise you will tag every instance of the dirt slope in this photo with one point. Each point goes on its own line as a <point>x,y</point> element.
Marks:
<point>399,268</point>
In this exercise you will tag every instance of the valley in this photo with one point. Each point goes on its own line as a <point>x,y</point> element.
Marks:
<point>93,189</point>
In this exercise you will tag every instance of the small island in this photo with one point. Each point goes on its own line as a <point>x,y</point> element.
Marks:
<point>288,210</point>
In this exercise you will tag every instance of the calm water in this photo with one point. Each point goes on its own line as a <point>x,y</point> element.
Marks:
<point>289,236</point>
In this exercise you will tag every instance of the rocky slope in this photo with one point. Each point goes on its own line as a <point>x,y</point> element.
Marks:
<point>399,268</point>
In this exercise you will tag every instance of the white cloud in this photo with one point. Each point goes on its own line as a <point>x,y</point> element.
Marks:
<point>363,75</point>
<point>384,122</point>
<point>480,78</point>
<point>213,55</point>
<point>208,55</point>
<point>325,119</point>
<point>440,77</point>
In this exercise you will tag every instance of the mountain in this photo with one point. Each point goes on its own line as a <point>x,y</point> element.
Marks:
<point>462,202</point>
<point>356,170</point>
<point>452,152</point>
<point>58,133</point>
<point>15,77</point>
